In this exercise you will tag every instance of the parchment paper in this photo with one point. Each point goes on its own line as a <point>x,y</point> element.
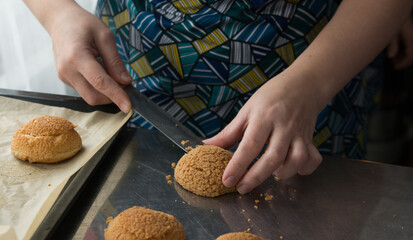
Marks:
<point>28,190</point>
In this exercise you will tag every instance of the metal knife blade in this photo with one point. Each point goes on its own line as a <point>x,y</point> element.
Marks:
<point>164,122</point>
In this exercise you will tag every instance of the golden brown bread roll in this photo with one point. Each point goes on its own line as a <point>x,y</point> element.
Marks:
<point>200,171</point>
<point>239,236</point>
<point>140,223</point>
<point>46,139</point>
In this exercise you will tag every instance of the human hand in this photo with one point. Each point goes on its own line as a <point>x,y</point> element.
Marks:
<point>400,49</point>
<point>283,114</point>
<point>79,38</point>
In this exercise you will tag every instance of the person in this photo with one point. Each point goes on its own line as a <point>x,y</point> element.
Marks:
<point>278,75</point>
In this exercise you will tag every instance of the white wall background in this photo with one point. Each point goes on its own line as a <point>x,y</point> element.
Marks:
<point>26,57</point>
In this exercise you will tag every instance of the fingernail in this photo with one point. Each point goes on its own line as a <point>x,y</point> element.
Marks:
<point>230,181</point>
<point>124,107</point>
<point>126,77</point>
<point>243,189</point>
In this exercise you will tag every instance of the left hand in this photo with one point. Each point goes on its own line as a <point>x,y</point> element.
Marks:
<point>400,49</point>
<point>283,114</point>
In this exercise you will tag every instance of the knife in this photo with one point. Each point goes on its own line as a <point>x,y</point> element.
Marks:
<point>161,120</point>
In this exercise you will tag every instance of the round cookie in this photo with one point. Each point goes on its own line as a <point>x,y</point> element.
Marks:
<point>200,171</point>
<point>140,223</point>
<point>239,236</point>
<point>46,139</point>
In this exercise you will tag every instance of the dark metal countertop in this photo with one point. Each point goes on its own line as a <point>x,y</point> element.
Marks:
<point>343,199</point>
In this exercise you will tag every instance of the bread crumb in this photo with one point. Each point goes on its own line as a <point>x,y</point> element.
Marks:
<point>291,199</point>
<point>189,148</point>
<point>49,184</point>
<point>169,182</point>
<point>249,220</point>
<point>173,165</point>
<point>248,230</point>
<point>240,197</point>
<point>255,206</point>
<point>168,177</point>
<point>394,216</point>
<point>269,197</point>
<point>261,194</point>
<point>257,201</point>
<point>183,142</point>
<point>277,179</point>
<point>193,197</point>
<point>281,237</point>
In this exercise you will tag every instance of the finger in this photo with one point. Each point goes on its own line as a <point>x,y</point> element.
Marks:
<point>297,156</point>
<point>230,135</point>
<point>406,59</point>
<point>106,45</point>
<point>94,73</point>
<point>250,146</point>
<point>314,160</point>
<point>272,159</point>
<point>393,48</point>
<point>86,91</point>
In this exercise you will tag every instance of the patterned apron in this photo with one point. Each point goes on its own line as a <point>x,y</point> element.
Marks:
<point>201,60</point>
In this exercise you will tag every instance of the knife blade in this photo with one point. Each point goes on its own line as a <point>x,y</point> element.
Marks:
<point>161,120</point>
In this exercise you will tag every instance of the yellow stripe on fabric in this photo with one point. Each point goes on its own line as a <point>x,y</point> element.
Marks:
<point>212,40</point>
<point>172,54</point>
<point>121,18</point>
<point>105,19</point>
<point>286,52</point>
<point>188,6</point>
<point>250,81</point>
<point>191,104</point>
<point>142,67</point>
<point>321,136</point>
<point>316,30</point>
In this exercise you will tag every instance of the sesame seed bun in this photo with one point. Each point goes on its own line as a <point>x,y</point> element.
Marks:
<point>46,139</point>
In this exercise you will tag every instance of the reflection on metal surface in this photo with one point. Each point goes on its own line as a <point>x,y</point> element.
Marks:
<point>343,199</point>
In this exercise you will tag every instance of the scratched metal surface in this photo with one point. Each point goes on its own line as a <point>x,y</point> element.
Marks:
<point>343,199</point>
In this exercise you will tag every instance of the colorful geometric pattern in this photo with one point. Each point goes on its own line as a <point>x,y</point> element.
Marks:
<point>201,60</point>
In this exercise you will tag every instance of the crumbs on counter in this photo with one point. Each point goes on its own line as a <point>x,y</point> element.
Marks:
<point>168,177</point>
<point>243,210</point>
<point>255,206</point>
<point>249,220</point>
<point>257,201</point>
<point>281,237</point>
<point>268,197</point>
<point>189,148</point>
<point>248,230</point>
<point>49,184</point>
<point>173,165</point>
<point>277,179</point>
<point>170,182</point>
<point>184,142</point>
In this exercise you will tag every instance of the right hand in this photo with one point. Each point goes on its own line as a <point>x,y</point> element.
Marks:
<point>79,38</point>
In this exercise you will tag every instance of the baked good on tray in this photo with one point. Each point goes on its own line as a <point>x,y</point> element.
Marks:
<point>140,223</point>
<point>200,171</point>
<point>239,236</point>
<point>46,139</point>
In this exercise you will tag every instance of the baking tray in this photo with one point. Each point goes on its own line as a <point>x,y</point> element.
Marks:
<point>78,180</point>
<point>343,199</point>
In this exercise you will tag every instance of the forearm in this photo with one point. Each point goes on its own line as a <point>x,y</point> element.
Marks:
<point>46,11</point>
<point>356,34</point>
